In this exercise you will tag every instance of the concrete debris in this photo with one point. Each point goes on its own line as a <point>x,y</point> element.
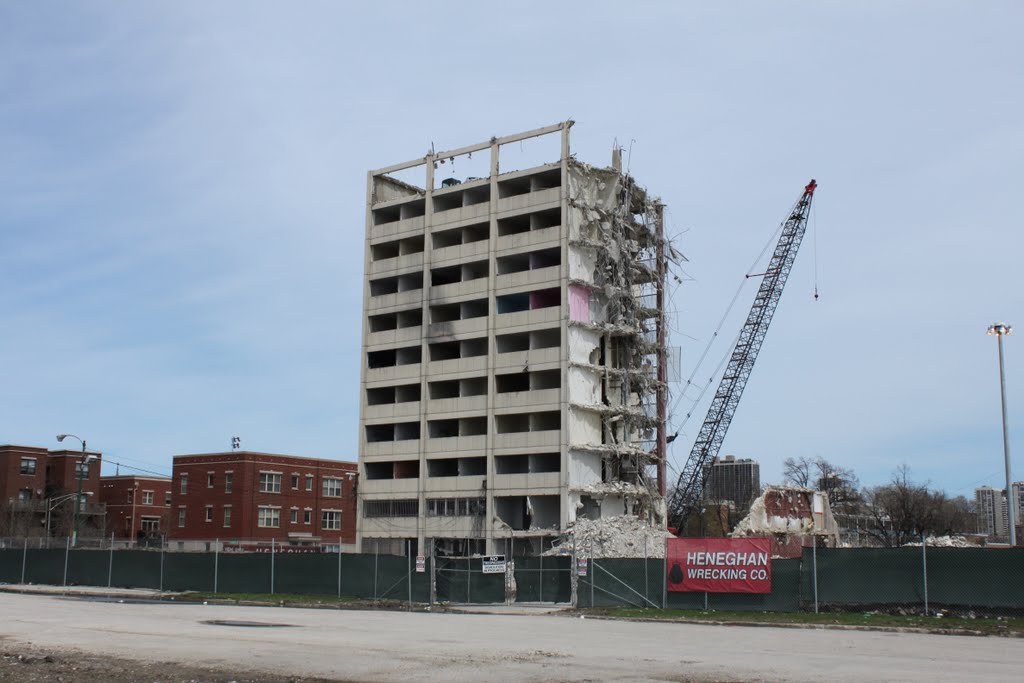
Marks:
<point>946,542</point>
<point>611,537</point>
<point>788,510</point>
<point>614,488</point>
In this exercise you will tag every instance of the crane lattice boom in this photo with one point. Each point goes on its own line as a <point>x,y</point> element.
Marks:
<point>690,487</point>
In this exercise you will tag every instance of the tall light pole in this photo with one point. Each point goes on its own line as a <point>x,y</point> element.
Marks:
<point>1001,330</point>
<point>81,471</point>
<point>55,503</point>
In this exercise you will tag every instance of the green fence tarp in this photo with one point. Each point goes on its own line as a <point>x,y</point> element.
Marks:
<point>864,576</point>
<point>462,580</point>
<point>976,577</point>
<point>621,582</point>
<point>957,577</point>
<point>302,574</point>
<point>137,569</point>
<point>10,565</point>
<point>245,572</point>
<point>45,566</point>
<point>543,579</point>
<point>847,578</point>
<point>189,572</point>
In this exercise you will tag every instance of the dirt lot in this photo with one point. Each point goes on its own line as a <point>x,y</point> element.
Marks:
<point>125,641</point>
<point>26,664</point>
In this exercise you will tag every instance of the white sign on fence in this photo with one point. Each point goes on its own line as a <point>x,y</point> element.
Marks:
<point>421,564</point>
<point>581,566</point>
<point>494,564</point>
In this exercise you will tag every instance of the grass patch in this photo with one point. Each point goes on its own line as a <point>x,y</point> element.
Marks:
<point>869,619</point>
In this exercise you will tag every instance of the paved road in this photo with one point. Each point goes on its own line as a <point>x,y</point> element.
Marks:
<point>392,646</point>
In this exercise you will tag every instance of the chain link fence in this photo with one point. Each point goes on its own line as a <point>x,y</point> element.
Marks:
<point>257,570</point>
<point>908,580</point>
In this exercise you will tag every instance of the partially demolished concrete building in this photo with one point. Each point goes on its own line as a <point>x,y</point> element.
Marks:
<point>513,352</point>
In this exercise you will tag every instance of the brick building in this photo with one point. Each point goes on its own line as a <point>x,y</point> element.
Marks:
<point>138,507</point>
<point>33,479</point>
<point>243,496</point>
<point>22,474</point>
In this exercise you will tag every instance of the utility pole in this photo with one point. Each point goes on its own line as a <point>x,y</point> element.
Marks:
<point>662,355</point>
<point>1001,330</point>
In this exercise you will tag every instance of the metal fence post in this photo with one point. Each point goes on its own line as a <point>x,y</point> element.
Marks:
<point>67,551</point>
<point>163,542</point>
<point>339,570</point>
<point>433,574</point>
<point>408,552</point>
<point>924,569</point>
<point>216,563</point>
<point>24,556</point>
<point>647,583</point>
<point>540,585</point>
<point>376,552</point>
<point>664,578</point>
<point>574,578</point>
<point>469,575</point>
<point>592,570</point>
<point>273,551</point>
<point>814,572</point>
<point>110,565</point>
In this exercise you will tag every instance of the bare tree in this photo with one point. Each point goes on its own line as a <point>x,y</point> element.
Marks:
<point>839,483</point>
<point>797,471</point>
<point>903,511</point>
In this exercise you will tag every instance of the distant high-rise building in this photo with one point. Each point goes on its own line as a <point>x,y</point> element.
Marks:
<point>992,509</point>
<point>732,480</point>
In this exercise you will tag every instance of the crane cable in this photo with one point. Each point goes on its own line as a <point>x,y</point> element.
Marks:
<point>814,229</point>
<point>721,323</point>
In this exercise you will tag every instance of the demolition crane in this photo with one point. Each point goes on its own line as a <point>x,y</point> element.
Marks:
<point>689,491</point>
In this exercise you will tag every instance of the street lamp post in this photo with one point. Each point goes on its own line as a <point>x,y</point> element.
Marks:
<point>1001,330</point>
<point>81,468</point>
<point>56,502</point>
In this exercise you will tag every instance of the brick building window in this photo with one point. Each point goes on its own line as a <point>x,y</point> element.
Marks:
<point>295,481</point>
<point>147,497</point>
<point>209,513</point>
<point>150,525</point>
<point>167,498</point>
<point>209,480</point>
<point>295,516</point>
<point>181,517</point>
<point>331,487</point>
<point>227,515</point>
<point>28,465</point>
<point>331,520</point>
<point>309,482</point>
<point>307,517</point>
<point>270,518</point>
<point>81,470</point>
<point>184,484</point>
<point>229,482</point>
<point>131,496</point>
<point>270,482</point>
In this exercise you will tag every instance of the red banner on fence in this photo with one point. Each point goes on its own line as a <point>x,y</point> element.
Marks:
<point>719,565</point>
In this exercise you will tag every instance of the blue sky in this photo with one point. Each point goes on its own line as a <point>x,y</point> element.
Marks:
<point>182,191</point>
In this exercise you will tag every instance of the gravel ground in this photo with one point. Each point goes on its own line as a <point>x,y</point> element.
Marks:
<point>37,665</point>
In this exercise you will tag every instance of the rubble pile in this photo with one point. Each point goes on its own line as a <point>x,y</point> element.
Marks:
<point>611,537</point>
<point>757,522</point>
<point>946,542</point>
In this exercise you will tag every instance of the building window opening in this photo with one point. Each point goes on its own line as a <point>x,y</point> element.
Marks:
<point>330,520</point>
<point>269,518</point>
<point>270,482</point>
